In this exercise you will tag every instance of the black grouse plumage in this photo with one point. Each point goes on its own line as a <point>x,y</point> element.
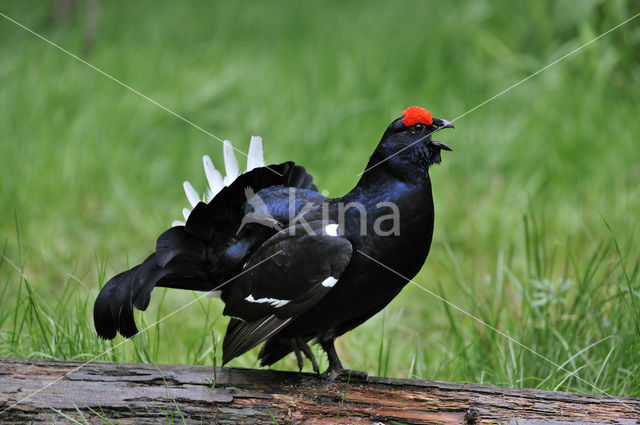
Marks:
<point>293,266</point>
<point>198,256</point>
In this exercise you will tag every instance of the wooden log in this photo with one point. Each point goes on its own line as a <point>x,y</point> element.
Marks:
<point>149,394</point>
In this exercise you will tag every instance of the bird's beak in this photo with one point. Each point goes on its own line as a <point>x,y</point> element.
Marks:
<point>445,124</point>
<point>441,145</point>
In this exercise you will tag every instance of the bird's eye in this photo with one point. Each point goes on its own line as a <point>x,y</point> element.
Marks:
<point>418,127</point>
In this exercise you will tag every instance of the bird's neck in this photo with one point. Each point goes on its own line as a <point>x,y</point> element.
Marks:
<point>382,183</point>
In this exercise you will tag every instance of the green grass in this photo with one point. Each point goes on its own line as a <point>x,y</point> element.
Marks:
<point>536,208</point>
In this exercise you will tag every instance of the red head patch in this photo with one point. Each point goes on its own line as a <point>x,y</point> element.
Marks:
<point>415,114</point>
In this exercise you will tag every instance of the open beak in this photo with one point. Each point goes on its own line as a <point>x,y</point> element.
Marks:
<point>445,124</point>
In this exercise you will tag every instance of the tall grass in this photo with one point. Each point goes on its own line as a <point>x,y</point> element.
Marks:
<point>90,173</point>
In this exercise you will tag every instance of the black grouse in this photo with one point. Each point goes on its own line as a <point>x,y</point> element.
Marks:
<point>292,266</point>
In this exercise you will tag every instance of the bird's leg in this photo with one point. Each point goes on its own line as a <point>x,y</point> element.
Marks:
<point>302,346</point>
<point>335,366</point>
<point>299,358</point>
<point>335,369</point>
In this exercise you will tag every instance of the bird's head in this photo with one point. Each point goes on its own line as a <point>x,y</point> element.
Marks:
<point>408,142</point>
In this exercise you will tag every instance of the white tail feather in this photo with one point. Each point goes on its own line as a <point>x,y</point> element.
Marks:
<point>255,157</point>
<point>214,178</point>
<point>208,196</point>
<point>192,195</point>
<point>230,164</point>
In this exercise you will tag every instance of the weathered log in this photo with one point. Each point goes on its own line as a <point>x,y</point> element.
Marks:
<point>146,394</point>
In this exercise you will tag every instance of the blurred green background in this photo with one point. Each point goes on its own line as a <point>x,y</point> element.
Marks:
<point>536,207</point>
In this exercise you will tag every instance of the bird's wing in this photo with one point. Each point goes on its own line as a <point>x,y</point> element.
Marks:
<point>297,269</point>
<point>211,229</point>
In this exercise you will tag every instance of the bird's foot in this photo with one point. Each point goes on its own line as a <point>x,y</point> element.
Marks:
<point>332,374</point>
<point>335,369</point>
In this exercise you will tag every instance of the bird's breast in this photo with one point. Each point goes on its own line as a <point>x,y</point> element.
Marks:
<point>397,228</point>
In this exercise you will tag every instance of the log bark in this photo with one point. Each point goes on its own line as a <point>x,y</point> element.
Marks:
<point>150,394</point>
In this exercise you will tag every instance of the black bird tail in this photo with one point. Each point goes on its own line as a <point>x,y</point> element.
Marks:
<point>113,310</point>
<point>190,257</point>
